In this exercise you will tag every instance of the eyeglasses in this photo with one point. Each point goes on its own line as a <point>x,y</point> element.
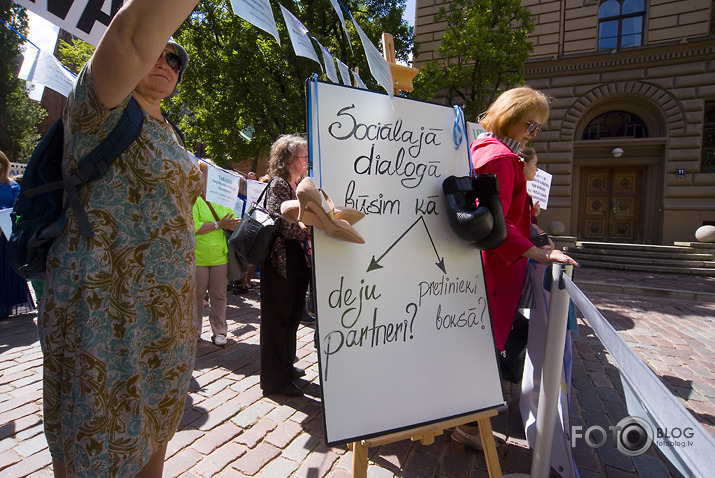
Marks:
<point>534,127</point>
<point>172,59</point>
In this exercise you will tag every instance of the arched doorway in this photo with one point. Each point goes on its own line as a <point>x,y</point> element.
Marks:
<point>612,195</point>
<point>618,158</point>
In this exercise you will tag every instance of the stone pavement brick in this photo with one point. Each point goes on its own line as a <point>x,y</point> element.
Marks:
<point>420,465</point>
<point>15,426</point>
<point>211,464</point>
<point>250,415</point>
<point>278,467</point>
<point>253,460</point>
<point>284,434</point>
<point>181,462</point>
<point>216,437</point>
<point>299,448</point>
<point>27,465</point>
<point>256,433</point>
<point>317,464</point>
<point>182,439</point>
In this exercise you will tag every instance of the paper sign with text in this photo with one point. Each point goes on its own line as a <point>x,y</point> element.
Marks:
<point>404,334</point>
<point>253,190</point>
<point>221,186</point>
<point>539,188</point>
<point>6,222</point>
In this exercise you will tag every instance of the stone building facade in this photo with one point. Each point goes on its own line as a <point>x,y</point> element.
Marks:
<point>631,137</point>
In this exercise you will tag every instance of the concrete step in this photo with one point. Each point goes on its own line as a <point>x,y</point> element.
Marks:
<point>615,252</point>
<point>656,269</point>
<point>581,255</point>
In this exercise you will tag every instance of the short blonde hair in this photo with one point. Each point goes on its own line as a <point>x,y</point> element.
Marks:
<point>283,153</point>
<point>4,169</point>
<point>513,105</point>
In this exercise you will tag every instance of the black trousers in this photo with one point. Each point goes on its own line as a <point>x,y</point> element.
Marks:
<point>282,303</point>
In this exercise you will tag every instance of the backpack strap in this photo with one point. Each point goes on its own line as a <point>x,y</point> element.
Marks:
<point>97,163</point>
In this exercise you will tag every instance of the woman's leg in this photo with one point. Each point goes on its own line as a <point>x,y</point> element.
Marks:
<point>218,280</point>
<point>202,283</point>
<point>59,469</point>
<point>155,466</point>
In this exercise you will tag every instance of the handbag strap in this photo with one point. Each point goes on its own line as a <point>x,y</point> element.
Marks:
<point>212,210</point>
<point>258,199</point>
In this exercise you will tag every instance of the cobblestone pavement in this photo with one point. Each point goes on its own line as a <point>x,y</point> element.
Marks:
<point>230,429</point>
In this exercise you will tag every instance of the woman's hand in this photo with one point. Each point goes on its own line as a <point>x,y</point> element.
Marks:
<point>229,221</point>
<point>548,257</point>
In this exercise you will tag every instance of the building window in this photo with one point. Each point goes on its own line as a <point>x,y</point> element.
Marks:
<point>708,159</point>
<point>615,124</point>
<point>620,24</point>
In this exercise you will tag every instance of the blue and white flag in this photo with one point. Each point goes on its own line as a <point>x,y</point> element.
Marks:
<point>344,73</point>
<point>299,37</point>
<point>258,13</point>
<point>359,81</point>
<point>329,63</point>
<point>42,68</point>
<point>336,6</point>
<point>378,65</point>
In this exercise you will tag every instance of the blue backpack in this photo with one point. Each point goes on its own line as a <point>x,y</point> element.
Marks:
<point>38,216</point>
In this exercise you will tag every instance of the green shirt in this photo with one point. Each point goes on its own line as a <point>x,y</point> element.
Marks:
<point>211,248</point>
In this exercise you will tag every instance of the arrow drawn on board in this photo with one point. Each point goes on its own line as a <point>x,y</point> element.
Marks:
<point>375,263</point>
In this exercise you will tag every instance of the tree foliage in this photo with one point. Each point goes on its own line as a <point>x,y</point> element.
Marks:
<point>483,51</point>
<point>74,55</point>
<point>240,77</point>
<point>19,115</point>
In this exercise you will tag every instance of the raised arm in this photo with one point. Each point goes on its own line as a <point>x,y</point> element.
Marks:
<point>132,44</point>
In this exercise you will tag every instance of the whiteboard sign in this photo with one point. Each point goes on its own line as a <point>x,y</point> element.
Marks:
<point>403,323</point>
<point>539,188</point>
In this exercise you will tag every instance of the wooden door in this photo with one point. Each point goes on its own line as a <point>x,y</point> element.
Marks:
<point>611,205</point>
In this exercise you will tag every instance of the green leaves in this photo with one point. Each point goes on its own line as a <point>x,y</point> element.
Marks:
<point>239,76</point>
<point>483,51</point>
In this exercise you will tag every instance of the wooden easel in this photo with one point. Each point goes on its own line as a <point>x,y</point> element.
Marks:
<point>426,435</point>
<point>401,75</point>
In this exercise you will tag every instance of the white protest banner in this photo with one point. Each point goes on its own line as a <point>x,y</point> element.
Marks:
<point>17,168</point>
<point>85,19</point>
<point>378,65</point>
<point>329,64</point>
<point>6,222</point>
<point>42,68</point>
<point>336,6</point>
<point>359,81</point>
<point>258,13</point>
<point>539,188</point>
<point>404,331</point>
<point>253,190</point>
<point>299,37</point>
<point>344,73</point>
<point>474,130</point>
<point>221,186</point>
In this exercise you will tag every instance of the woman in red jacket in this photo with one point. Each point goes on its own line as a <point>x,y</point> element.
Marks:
<point>513,120</point>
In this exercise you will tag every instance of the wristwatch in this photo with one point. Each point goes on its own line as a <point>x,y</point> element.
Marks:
<point>215,225</point>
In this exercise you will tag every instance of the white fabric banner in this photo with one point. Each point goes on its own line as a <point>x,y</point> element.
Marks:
<point>85,19</point>
<point>359,81</point>
<point>221,186</point>
<point>344,73</point>
<point>42,68</point>
<point>258,13</point>
<point>378,65</point>
<point>253,190</point>
<point>299,37</point>
<point>329,64</point>
<point>336,6</point>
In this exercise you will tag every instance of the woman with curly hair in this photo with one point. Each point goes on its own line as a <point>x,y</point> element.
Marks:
<point>285,275</point>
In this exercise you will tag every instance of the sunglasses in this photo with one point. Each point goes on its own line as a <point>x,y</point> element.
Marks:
<point>172,59</point>
<point>534,127</point>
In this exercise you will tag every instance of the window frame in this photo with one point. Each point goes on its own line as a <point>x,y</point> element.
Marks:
<point>619,19</point>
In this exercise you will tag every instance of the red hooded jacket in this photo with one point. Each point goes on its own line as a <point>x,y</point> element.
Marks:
<point>505,267</point>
